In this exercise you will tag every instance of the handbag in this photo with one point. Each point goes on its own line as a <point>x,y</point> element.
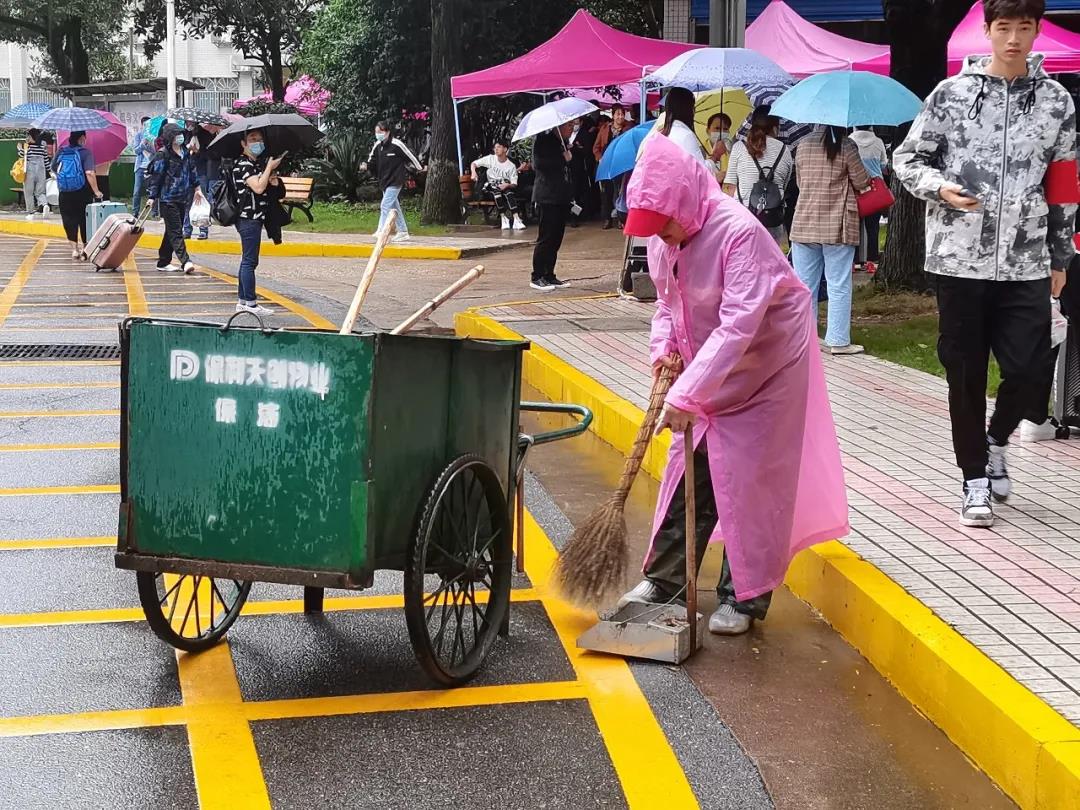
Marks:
<point>225,207</point>
<point>876,199</point>
<point>18,171</point>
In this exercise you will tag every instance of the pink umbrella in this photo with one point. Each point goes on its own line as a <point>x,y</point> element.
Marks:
<point>105,144</point>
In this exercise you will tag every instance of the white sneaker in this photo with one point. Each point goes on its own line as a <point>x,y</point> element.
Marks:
<point>506,223</point>
<point>518,224</point>
<point>45,210</point>
<point>169,268</point>
<point>1033,432</point>
<point>400,237</point>
<point>189,268</point>
<point>977,510</point>
<point>542,286</point>
<point>851,348</point>
<point>254,309</point>
<point>31,217</point>
<point>645,592</point>
<point>998,473</point>
<point>726,621</point>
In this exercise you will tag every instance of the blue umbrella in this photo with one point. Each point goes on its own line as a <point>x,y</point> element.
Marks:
<point>621,154</point>
<point>154,125</point>
<point>848,98</point>
<point>72,119</point>
<point>20,116</point>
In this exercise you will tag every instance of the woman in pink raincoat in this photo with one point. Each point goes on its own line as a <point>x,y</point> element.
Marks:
<point>768,473</point>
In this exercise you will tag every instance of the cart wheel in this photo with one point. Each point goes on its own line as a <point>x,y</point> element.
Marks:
<point>463,538</point>
<point>188,611</point>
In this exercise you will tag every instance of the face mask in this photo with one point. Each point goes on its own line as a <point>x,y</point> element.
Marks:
<point>257,148</point>
<point>714,138</point>
<point>179,140</point>
<point>380,136</point>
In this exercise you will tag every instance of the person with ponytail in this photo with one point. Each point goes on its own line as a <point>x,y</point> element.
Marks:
<point>679,122</point>
<point>761,158</point>
<point>825,231</point>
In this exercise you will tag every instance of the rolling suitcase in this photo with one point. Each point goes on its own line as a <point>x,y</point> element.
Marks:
<point>115,239</point>
<point>97,213</point>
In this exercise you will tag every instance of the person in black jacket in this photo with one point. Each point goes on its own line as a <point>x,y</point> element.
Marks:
<point>389,162</point>
<point>552,195</point>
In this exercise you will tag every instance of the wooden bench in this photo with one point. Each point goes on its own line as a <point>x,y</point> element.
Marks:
<point>18,192</point>
<point>298,194</point>
<point>470,203</point>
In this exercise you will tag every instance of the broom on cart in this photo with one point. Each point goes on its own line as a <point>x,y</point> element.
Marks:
<point>591,566</point>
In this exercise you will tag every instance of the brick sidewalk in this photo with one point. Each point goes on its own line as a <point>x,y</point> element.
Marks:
<point>1013,591</point>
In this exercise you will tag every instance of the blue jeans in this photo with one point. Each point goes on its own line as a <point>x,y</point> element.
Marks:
<point>834,261</point>
<point>137,194</point>
<point>391,203</point>
<point>250,231</point>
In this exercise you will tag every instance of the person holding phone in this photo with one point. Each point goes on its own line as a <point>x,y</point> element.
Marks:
<point>258,187</point>
<point>996,246</point>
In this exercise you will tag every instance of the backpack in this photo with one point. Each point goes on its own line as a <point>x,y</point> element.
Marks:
<point>69,170</point>
<point>766,197</point>
<point>225,207</point>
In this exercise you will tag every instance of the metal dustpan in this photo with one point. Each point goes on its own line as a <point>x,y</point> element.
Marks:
<point>656,632</point>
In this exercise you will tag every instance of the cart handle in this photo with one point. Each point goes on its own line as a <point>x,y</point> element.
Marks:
<point>266,330</point>
<point>563,433</point>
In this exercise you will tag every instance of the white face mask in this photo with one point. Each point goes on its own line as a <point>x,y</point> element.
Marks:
<point>714,138</point>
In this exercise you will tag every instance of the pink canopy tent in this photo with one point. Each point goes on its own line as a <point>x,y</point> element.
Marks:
<point>803,49</point>
<point>304,93</point>
<point>1060,46</point>
<point>585,53</point>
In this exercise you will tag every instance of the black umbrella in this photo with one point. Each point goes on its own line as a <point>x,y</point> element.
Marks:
<point>281,131</point>
<point>197,116</point>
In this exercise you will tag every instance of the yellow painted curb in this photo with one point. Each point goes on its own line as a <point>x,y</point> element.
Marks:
<point>227,247</point>
<point>1025,746</point>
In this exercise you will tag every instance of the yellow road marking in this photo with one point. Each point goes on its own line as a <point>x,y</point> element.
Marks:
<point>56,542</point>
<point>648,769</point>
<point>462,697</point>
<point>19,279</point>
<point>93,489</point>
<point>36,448</point>
<point>53,414</point>
<point>91,721</point>
<point>316,320</point>
<point>136,295</point>
<point>54,385</point>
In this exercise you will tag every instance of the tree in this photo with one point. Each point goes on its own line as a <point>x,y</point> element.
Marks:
<point>442,194</point>
<point>264,30</point>
<point>919,33</point>
<point>67,33</point>
<point>642,17</point>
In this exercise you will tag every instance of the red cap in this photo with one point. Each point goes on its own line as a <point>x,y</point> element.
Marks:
<point>643,222</point>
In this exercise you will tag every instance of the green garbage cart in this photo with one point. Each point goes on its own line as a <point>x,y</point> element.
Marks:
<point>310,458</point>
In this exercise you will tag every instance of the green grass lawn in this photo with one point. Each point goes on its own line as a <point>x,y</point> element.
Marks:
<point>359,218</point>
<point>902,328</point>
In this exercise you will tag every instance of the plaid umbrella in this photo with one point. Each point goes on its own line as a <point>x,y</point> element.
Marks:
<point>194,114</point>
<point>73,119</point>
<point>20,116</point>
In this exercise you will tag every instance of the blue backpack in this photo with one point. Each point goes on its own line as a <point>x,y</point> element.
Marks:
<point>69,170</point>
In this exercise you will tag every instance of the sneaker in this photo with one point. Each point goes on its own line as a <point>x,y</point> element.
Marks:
<point>518,224</point>
<point>45,210</point>
<point>31,217</point>
<point>76,253</point>
<point>977,510</point>
<point>169,268</point>
<point>998,473</point>
<point>189,268</point>
<point>187,234</point>
<point>851,348</point>
<point>1034,432</point>
<point>647,592</point>
<point>254,309</point>
<point>542,286</point>
<point>506,223</point>
<point>557,282</point>
<point>204,234</point>
<point>870,268</point>
<point>400,237</point>
<point>726,621</point>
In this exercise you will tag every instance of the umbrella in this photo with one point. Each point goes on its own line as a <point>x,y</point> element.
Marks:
<point>104,144</point>
<point>849,98</point>
<point>154,125</point>
<point>621,154</point>
<point>761,93</point>
<point>20,116</point>
<point>195,115</point>
<point>282,131</point>
<point>73,119</point>
<point>551,115</point>
<point>732,101</point>
<point>716,68</point>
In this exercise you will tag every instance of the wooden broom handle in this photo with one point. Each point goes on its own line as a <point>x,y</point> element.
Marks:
<point>366,279</point>
<point>660,387</point>
<point>439,300</point>
<point>691,536</point>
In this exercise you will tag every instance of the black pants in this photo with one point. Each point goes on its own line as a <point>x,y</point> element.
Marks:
<point>872,228</point>
<point>73,212</point>
<point>975,317</point>
<point>666,563</point>
<point>552,226</point>
<point>172,241</point>
<point>607,199</point>
<point>103,186</point>
<point>505,201</point>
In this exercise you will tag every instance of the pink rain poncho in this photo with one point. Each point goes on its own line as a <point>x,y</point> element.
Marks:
<point>731,306</point>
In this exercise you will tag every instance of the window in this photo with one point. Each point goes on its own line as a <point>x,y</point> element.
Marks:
<point>219,92</point>
<point>5,95</point>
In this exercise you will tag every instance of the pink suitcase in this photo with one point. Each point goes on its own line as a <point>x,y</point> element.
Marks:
<point>114,241</point>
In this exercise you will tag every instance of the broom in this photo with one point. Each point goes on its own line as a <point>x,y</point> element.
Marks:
<point>591,565</point>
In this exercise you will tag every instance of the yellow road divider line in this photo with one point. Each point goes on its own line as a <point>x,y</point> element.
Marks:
<point>315,319</point>
<point>56,542</point>
<point>19,279</point>
<point>54,414</point>
<point>92,721</point>
<point>40,448</point>
<point>136,295</point>
<point>52,386</point>
<point>92,489</point>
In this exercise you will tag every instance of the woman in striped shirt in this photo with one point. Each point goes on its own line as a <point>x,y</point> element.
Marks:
<point>36,152</point>
<point>752,159</point>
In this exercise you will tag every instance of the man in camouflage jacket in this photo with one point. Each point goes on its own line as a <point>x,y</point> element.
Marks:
<point>978,153</point>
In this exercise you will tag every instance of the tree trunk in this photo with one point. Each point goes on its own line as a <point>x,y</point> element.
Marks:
<point>275,69</point>
<point>442,194</point>
<point>919,34</point>
<point>67,53</point>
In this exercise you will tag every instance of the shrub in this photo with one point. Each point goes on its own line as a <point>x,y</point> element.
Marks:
<point>338,174</point>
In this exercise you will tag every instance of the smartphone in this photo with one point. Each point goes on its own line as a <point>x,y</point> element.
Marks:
<point>967,192</point>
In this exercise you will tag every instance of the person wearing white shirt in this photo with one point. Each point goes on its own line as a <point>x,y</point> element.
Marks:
<point>502,181</point>
<point>679,123</point>
<point>875,158</point>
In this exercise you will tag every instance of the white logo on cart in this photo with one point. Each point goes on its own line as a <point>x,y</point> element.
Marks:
<point>269,415</point>
<point>183,365</point>
<point>225,411</point>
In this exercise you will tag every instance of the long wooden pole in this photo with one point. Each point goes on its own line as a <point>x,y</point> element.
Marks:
<point>369,275</point>
<point>691,537</point>
<point>439,300</point>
